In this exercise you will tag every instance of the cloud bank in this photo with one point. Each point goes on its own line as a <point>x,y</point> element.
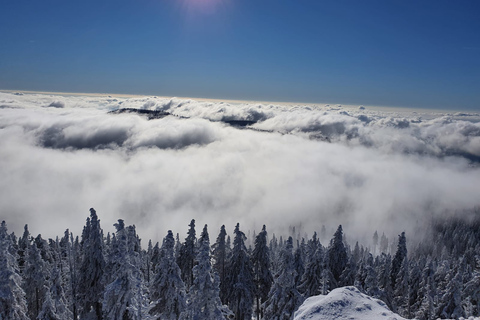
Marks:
<point>368,169</point>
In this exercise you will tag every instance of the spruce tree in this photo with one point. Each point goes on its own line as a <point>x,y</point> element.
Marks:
<point>220,261</point>
<point>187,254</point>
<point>263,278</point>
<point>337,255</point>
<point>35,277</point>
<point>312,277</point>
<point>397,261</point>
<point>12,297</point>
<point>203,297</point>
<point>126,296</point>
<point>402,291</point>
<point>240,279</point>
<point>284,299</point>
<point>91,282</point>
<point>168,290</point>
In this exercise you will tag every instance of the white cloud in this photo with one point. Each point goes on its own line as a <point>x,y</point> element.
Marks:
<point>380,170</point>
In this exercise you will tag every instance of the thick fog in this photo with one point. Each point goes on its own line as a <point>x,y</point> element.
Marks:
<point>365,168</point>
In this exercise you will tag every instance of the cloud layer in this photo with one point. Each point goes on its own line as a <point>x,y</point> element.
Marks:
<point>369,169</point>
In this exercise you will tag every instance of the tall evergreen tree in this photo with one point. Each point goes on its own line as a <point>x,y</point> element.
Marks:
<point>220,261</point>
<point>240,279</point>
<point>203,297</point>
<point>284,299</point>
<point>384,280</point>
<point>263,278</point>
<point>125,297</point>
<point>91,282</point>
<point>337,255</point>
<point>450,303</point>
<point>167,290</point>
<point>397,261</point>
<point>311,280</point>
<point>187,255</point>
<point>12,297</point>
<point>402,291</point>
<point>35,277</point>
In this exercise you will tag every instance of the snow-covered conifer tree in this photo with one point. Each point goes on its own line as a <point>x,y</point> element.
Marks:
<point>384,280</point>
<point>401,291</point>
<point>91,282</point>
<point>12,297</point>
<point>261,269</point>
<point>187,255</point>
<point>35,276</point>
<point>298,264</point>
<point>240,279</point>
<point>23,244</point>
<point>450,305</point>
<point>284,298</point>
<point>427,294</point>
<point>203,297</point>
<point>126,296</point>
<point>312,277</point>
<point>371,285</point>
<point>397,261</point>
<point>348,275</point>
<point>168,290</point>
<point>220,261</point>
<point>337,254</point>
<point>471,295</point>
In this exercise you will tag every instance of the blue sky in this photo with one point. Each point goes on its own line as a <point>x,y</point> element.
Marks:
<point>394,53</point>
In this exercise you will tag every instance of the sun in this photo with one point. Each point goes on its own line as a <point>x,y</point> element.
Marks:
<point>203,6</point>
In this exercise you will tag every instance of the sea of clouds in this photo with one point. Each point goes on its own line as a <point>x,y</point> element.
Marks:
<point>296,165</point>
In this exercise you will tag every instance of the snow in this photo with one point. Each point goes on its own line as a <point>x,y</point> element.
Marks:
<point>346,303</point>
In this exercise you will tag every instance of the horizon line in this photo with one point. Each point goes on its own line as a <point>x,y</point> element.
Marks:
<point>203,99</point>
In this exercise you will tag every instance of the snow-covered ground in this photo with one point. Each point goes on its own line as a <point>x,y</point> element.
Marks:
<point>346,303</point>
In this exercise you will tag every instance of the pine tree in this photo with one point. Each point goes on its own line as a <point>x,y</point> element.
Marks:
<point>203,297</point>
<point>427,294</point>
<point>337,255</point>
<point>240,279</point>
<point>125,297</point>
<point>415,278</point>
<point>12,297</point>
<point>298,264</point>
<point>284,299</point>
<point>371,285</point>
<point>35,277</point>
<point>402,292</point>
<point>263,278</point>
<point>397,261</point>
<point>471,295</point>
<point>91,282</point>
<point>167,290</point>
<point>312,277</point>
<point>384,280</point>
<point>450,305</point>
<point>220,261</point>
<point>23,244</point>
<point>348,275</point>
<point>187,255</point>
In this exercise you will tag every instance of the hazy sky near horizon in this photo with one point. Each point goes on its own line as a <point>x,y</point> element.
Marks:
<point>391,53</point>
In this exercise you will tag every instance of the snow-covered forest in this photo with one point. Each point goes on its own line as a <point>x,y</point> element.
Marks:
<point>112,276</point>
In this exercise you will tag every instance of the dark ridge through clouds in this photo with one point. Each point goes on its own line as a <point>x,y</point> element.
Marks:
<point>306,166</point>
